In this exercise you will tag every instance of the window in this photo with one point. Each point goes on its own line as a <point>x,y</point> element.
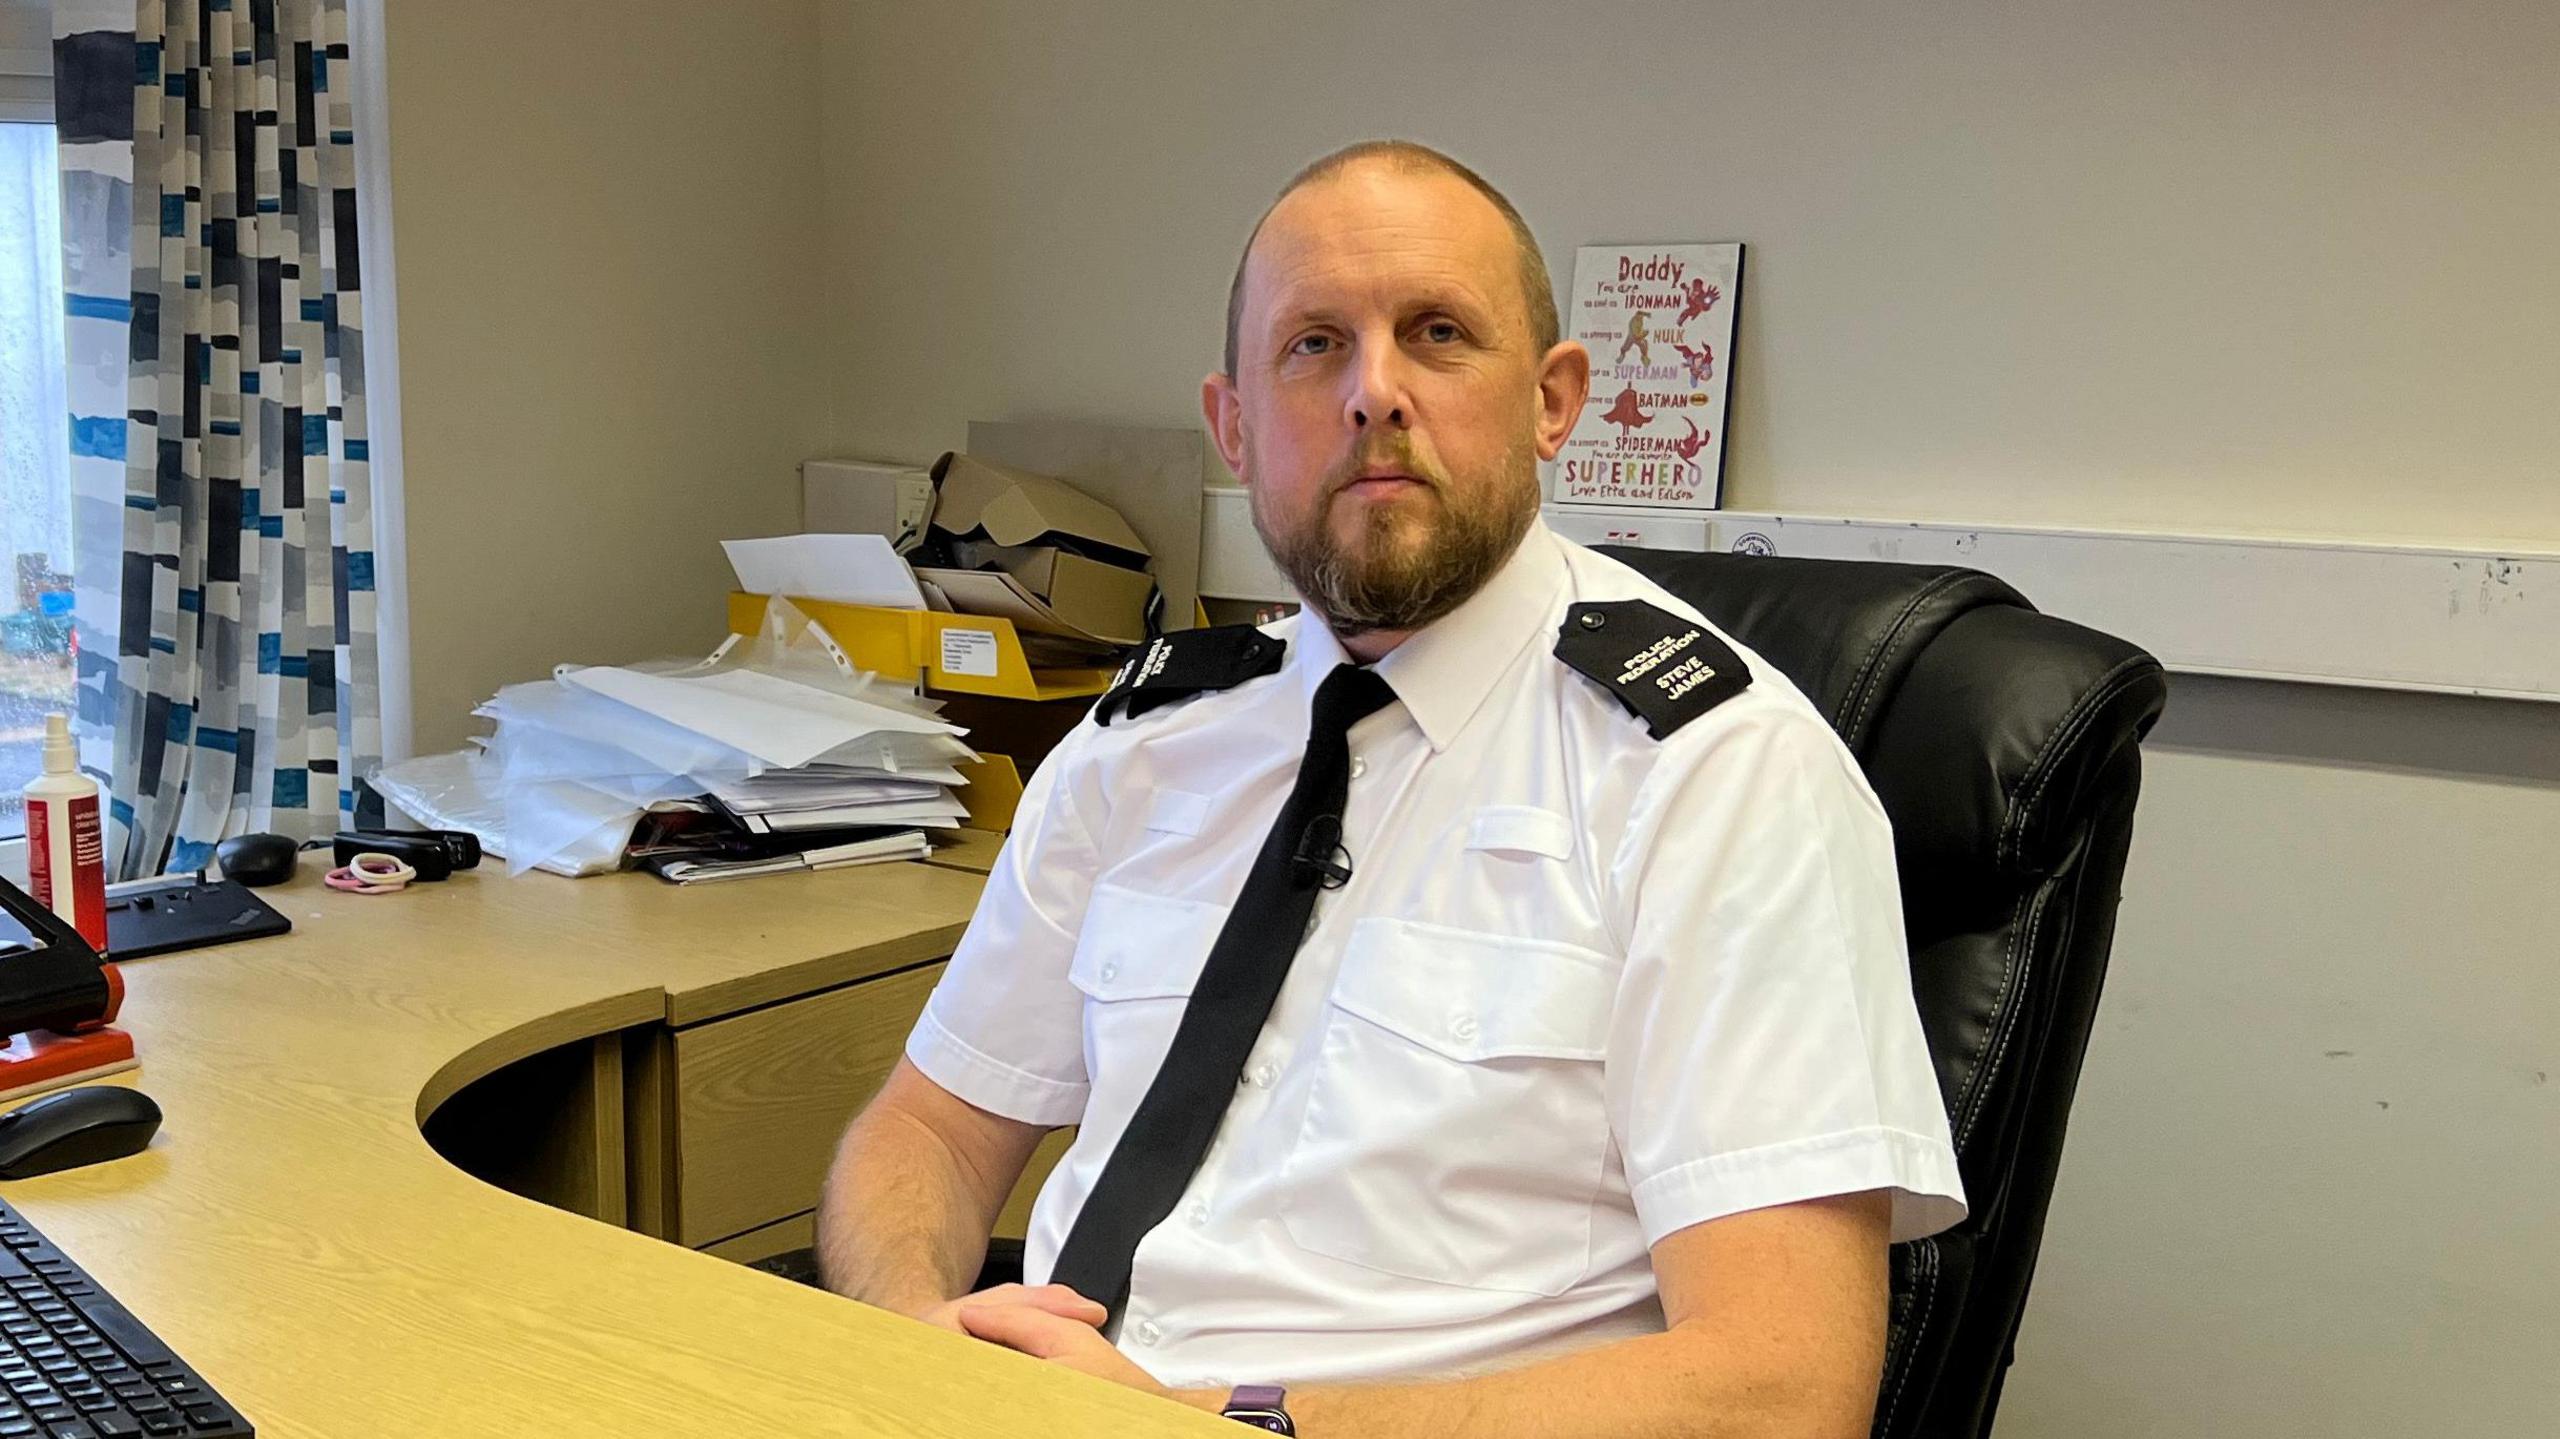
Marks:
<point>35,482</point>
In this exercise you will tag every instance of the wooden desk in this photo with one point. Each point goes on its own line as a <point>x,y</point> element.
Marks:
<point>972,849</point>
<point>293,1235</point>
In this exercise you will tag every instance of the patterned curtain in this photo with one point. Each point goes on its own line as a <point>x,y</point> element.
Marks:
<point>223,513</point>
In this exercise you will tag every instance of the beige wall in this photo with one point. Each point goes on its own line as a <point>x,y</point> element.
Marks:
<point>2275,265</point>
<point>2283,265</point>
<point>2309,1187</point>
<point>605,218</point>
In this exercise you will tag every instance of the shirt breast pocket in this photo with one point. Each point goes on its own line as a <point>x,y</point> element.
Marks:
<point>1136,961</point>
<point>1457,1130</point>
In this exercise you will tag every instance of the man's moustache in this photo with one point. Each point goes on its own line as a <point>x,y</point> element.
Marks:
<point>1351,471</point>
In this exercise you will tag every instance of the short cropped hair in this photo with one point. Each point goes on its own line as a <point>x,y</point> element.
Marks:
<point>1410,157</point>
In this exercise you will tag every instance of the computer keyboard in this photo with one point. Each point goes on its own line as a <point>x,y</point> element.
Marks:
<point>75,1364</point>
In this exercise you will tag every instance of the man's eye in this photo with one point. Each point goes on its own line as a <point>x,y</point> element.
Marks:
<point>1441,332</point>
<point>1312,345</point>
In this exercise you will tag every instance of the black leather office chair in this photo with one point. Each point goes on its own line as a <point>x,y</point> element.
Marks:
<point>2005,746</point>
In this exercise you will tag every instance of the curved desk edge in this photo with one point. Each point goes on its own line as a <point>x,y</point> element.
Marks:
<point>294,1236</point>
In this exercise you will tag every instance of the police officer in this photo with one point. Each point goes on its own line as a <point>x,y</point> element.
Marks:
<point>1482,999</point>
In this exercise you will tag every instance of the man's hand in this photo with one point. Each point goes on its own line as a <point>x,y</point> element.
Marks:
<point>1051,1300</point>
<point>1072,1341</point>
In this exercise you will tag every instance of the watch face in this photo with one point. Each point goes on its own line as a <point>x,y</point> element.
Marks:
<point>1261,1406</point>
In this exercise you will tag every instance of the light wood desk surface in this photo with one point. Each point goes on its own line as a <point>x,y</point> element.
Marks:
<point>292,1235</point>
<point>972,849</point>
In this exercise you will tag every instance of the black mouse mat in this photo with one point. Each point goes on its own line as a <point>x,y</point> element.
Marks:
<point>190,913</point>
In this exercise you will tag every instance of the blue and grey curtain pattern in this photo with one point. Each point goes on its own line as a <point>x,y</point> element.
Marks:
<point>223,517</point>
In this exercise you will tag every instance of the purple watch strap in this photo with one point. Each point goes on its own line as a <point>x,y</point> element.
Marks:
<point>1262,1406</point>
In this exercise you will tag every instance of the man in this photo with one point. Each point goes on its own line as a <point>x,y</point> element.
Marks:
<point>1486,1010</point>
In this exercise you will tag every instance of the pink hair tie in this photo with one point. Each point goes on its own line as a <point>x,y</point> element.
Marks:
<point>371,873</point>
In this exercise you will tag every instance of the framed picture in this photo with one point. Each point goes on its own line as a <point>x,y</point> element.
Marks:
<point>1658,320</point>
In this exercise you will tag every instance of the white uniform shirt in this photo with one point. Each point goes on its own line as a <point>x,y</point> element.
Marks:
<point>1584,988</point>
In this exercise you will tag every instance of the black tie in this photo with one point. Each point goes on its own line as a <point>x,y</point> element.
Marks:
<point>1169,1135</point>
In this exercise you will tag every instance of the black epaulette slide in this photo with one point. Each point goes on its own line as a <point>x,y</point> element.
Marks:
<point>1186,663</point>
<point>1666,670</point>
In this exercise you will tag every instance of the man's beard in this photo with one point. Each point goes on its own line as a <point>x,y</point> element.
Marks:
<point>1414,560</point>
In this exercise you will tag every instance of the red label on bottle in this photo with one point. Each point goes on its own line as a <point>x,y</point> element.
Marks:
<point>86,883</point>
<point>88,873</point>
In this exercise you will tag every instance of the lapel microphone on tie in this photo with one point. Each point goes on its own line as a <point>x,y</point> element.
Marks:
<point>1320,860</point>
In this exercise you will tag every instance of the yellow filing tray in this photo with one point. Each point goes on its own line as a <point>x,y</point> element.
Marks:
<point>912,646</point>
<point>993,792</point>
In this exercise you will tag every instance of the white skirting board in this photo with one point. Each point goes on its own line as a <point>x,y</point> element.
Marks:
<point>2450,619</point>
<point>2455,620</point>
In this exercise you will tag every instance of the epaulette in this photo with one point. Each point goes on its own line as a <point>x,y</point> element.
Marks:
<point>1185,663</point>
<point>1666,670</point>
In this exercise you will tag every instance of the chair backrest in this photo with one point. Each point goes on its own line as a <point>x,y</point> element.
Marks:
<point>2005,745</point>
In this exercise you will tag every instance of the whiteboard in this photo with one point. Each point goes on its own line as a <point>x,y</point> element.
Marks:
<point>2477,621</point>
<point>2450,619</point>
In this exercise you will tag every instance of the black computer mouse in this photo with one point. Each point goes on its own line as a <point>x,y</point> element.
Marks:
<point>256,860</point>
<point>72,1127</point>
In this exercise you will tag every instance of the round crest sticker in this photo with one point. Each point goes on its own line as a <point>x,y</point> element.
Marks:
<point>1752,542</point>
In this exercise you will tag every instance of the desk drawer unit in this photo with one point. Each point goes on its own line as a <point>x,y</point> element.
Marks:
<point>715,1135</point>
<point>758,1100</point>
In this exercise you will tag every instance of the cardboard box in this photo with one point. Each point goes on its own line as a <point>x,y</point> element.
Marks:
<point>1074,587</point>
<point>1067,564</point>
<point>1152,476</point>
<point>980,500</point>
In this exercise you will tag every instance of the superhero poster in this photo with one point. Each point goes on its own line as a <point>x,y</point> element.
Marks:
<point>1658,321</point>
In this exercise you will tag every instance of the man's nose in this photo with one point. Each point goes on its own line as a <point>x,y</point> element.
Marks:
<point>1378,391</point>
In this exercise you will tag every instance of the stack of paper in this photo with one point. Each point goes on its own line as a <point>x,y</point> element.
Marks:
<point>879,849</point>
<point>726,770</point>
<point>820,796</point>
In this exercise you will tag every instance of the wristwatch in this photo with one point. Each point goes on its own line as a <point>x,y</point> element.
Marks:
<point>1260,1406</point>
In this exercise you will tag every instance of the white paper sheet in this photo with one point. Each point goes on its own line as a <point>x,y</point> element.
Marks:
<point>780,723</point>
<point>905,844</point>
<point>778,790</point>
<point>846,569</point>
<point>933,812</point>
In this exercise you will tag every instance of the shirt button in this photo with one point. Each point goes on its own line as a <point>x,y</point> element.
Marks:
<point>1110,972</point>
<point>1359,767</point>
<point>1199,1213</point>
<point>1148,1333</point>
<point>1264,1074</point>
<point>1463,1027</point>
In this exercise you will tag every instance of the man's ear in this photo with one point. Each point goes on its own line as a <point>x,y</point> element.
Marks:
<point>1223,408</point>
<point>1564,383</point>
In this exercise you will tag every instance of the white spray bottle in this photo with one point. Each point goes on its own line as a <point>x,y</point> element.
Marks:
<point>66,840</point>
